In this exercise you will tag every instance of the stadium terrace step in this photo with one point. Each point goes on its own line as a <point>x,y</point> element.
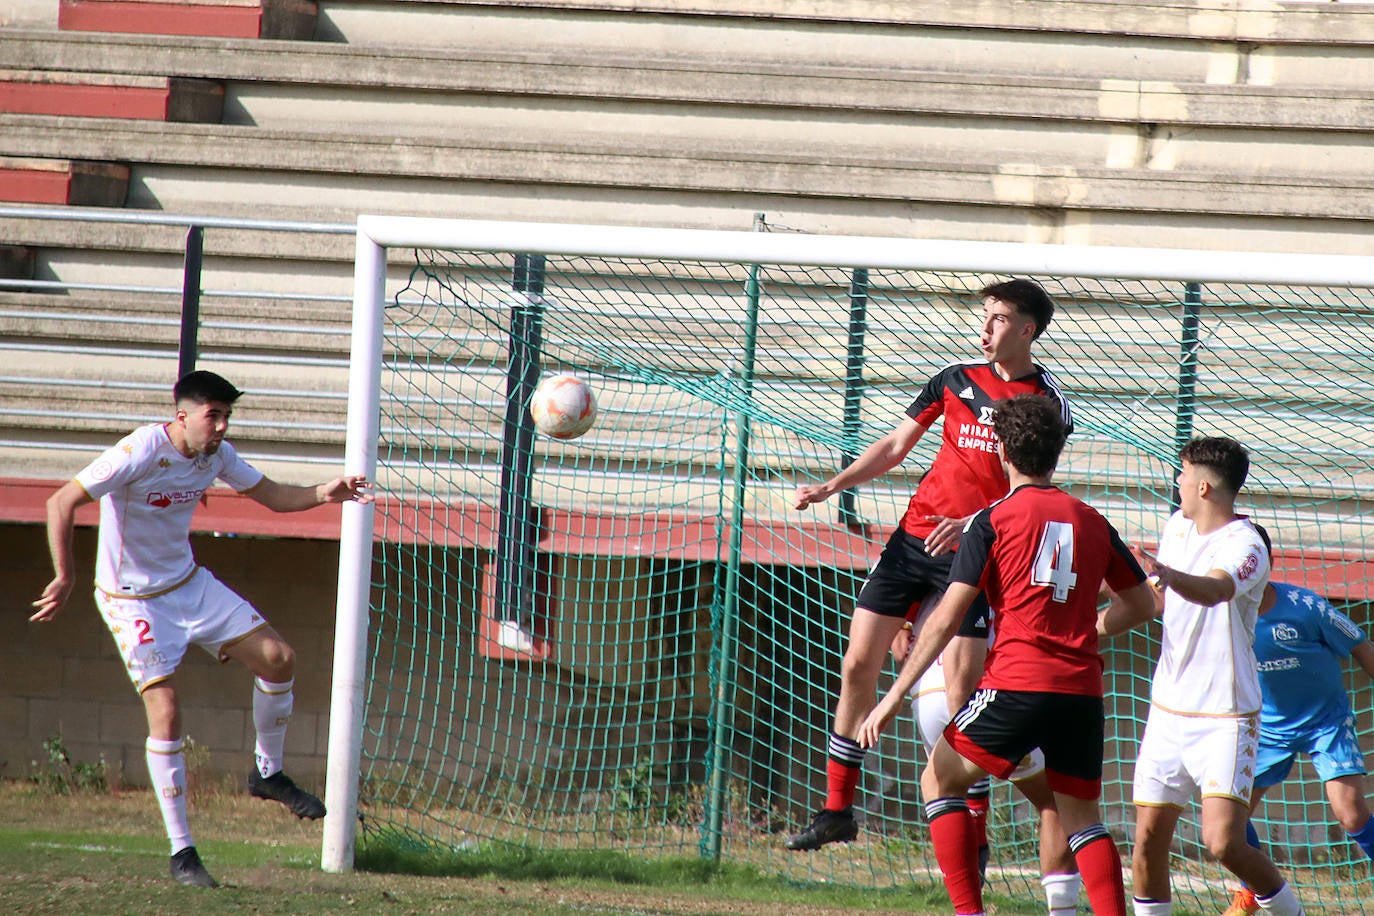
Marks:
<point>109,95</point>
<point>723,165</point>
<point>63,181</point>
<point>225,18</point>
<point>412,83</point>
<point>1283,44</point>
<point>1175,18</point>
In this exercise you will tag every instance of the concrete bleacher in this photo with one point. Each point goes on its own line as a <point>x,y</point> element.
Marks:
<point>1113,122</point>
<point>1113,135</point>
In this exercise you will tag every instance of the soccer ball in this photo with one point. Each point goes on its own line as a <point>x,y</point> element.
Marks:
<point>563,407</point>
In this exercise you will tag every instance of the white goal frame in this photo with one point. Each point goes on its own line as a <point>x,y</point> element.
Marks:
<point>377,234</point>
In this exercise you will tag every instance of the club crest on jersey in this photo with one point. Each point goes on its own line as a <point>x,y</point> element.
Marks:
<point>163,463</point>
<point>1285,633</point>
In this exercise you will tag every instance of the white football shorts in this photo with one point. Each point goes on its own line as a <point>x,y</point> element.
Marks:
<point>1183,755</point>
<point>152,633</point>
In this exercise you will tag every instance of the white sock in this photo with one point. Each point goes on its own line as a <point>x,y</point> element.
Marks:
<point>1283,902</point>
<point>167,771</point>
<point>1151,907</point>
<point>271,711</point>
<point>1061,893</point>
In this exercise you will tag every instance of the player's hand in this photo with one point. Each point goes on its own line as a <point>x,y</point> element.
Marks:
<point>901,645</point>
<point>51,601</point>
<point>1149,563</point>
<point>353,488</point>
<point>945,537</point>
<point>809,495</point>
<point>872,728</point>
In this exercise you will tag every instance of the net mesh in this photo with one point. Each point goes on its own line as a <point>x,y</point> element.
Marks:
<point>685,625</point>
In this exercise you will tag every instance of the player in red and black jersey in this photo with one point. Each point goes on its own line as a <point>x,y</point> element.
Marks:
<point>1041,556</point>
<point>965,477</point>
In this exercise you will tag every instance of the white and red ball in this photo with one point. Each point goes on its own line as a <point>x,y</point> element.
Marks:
<point>563,407</point>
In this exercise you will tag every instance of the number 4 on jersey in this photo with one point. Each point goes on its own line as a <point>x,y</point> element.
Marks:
<point>1054,560</point>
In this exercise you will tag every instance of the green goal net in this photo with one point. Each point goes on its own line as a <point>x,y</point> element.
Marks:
<point>631,641</point>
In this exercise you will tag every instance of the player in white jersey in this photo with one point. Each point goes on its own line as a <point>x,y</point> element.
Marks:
<point>1203,726</point>
<point>156,601</point>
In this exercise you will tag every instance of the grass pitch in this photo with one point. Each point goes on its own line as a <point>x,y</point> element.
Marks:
<point>104,853</point>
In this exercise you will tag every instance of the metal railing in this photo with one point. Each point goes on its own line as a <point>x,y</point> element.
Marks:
<point>71,346</point>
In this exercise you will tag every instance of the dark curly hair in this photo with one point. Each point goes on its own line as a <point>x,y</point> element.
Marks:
<point>1032,430</point>
<point>1027,297</point>
<point>1226,458</point>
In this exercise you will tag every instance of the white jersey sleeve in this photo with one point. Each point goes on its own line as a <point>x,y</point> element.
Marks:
<point>122,462</point>
<point>236,472</point>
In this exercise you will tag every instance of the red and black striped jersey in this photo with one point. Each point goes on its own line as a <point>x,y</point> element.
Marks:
<point>1040,556</point>
<point>966,474</point>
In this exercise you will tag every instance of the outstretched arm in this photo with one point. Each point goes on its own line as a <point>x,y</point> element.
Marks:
<point>1213,588</point>
<point>62,506</point>
<point>876,460</point>
<point>280,497</point>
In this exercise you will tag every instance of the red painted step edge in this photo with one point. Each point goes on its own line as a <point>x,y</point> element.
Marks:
<point>84,101</point>
<point>129,16</point>
<point>35,187</point>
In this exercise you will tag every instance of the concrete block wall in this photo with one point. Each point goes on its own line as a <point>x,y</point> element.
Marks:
<point>66,677</point>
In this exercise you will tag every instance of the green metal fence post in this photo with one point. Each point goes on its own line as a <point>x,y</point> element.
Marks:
<point>515,556</point>
<point>722,705</point>
<point>853,386</point>
<point>1187,372</point>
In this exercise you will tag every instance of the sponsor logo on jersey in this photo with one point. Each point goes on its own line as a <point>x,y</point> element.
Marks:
<point>967,393</point>
<point>173,497</point>
<point>978,436</point>
<point>1248,568</point>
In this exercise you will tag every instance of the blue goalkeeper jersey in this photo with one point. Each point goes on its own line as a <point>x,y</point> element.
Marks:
<point>1301,645</point>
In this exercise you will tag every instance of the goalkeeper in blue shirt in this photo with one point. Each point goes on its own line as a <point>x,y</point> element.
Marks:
<point>1301,643</point>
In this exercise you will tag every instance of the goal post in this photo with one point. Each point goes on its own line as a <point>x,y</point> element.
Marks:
<point>686,633</point>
